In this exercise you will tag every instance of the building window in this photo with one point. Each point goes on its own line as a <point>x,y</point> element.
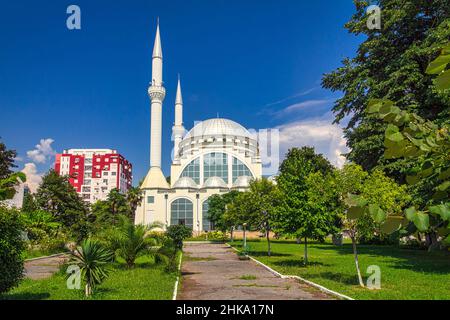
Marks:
<point>215,165</point>
<point>206,224</point>
<point>105,173</point>
<point>150,199</point>
<point>192,170</point>
<point>240,169</point>
<point>113,173</point>
<point>181,212</point>
<point>87,168</point>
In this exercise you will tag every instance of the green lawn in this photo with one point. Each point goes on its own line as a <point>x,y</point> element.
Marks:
<point>146,281</point>
<point>405,273</point>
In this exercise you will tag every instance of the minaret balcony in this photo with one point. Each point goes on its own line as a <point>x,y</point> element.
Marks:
<point>157,92</point>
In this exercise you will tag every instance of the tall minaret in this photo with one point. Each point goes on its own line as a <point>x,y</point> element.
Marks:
<point>155,177</point>
<point>178,129</point>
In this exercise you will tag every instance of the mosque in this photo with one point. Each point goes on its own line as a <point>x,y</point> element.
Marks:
<point>214,157</point>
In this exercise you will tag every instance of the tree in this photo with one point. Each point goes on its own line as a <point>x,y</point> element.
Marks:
<point>390,63</point>
<point>178,233</point>
<point>217,207</point>
<point>11,247</point>
<point>367,197</point>
<point>118,205</point>
<point>56,195</point>
<point>322,209</point>
<point>40,224</point>
<point>292,181</point>
<point>8,184</point>
<point>132,240</point>
<point>134,198</point>
<point>92,259</point>
<point>426,144</point>
<point>29,203</point>
<point>257,207</point>
<point>6,161</point>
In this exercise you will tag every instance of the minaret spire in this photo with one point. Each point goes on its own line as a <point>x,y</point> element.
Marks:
<point>178,129</point>
<point>155,177</point>
<point>157,48</point>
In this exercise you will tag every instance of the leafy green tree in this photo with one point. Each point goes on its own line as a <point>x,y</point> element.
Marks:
<point>6,161</point>
<point>11,247</point>
<point>56,195</point>
<point>217,207</point>
<point>29,203</point>
<point>177,233</point>
<point>426,144</point>
<point>390,63</point>
<point>367,200</point>
<point>93,260</point>
<point>8,184</point>
<point>292,181</point>
<point>322,209</point>
<point>40,224</point>
<point>257,207</point>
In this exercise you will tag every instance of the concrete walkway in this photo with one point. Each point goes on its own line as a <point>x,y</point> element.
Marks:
<point>43,267</point>
<point>214,272</point>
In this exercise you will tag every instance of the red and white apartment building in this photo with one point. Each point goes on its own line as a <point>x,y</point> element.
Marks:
<point>95,172</point>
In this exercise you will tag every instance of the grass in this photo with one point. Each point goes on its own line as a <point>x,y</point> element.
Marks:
<point>405,273</point>
<point>146,281</point>
<point>247,277</point>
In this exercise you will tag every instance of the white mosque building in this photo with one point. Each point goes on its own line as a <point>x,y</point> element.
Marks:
<point>215,156</point>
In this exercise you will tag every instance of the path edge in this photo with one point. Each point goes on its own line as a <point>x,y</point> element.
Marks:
<point>313,284</point>
<point>175,288</point>
<point>45,257</point>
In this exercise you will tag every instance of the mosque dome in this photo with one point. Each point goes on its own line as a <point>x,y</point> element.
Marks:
<point>215,182</point>
<point>218,127</point>
<point>185,183</point>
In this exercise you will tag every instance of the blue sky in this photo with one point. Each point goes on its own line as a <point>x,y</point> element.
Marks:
<point>256,62</point>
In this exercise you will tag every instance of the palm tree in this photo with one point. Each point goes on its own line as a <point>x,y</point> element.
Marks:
<point>134,198</point>
<point>92,259</point>
<point>132,240</point>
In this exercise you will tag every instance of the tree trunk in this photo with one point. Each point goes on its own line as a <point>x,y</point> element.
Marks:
<point>306,251</point>
<point>231,234</point>
<point>88,290</point>
<point>431,241</point>
<point>268,243</point>
<point>361,283</point>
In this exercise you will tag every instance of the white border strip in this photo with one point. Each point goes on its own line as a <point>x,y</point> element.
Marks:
<point>175,289</point>
<point>44,257</point>
<point>318,286</point>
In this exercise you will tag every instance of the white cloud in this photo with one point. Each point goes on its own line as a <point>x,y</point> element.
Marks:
<point>42,152</point>
<point>33,177</point>
<point>320,133</point>
<point>302,106</point>
<point>299,94</point>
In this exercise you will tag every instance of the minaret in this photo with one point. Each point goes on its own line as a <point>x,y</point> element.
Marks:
<point>178,129</point>
<point>155,177</point>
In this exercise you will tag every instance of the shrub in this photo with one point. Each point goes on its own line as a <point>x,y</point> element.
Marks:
<point>11,246</point>
<point>178,233</point>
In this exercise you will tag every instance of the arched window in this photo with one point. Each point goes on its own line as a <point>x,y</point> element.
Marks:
<point>207,225</point>
<point>181,212</point>
<point>215,165</point>
<point>192,170</point>
<point>240,169</point>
